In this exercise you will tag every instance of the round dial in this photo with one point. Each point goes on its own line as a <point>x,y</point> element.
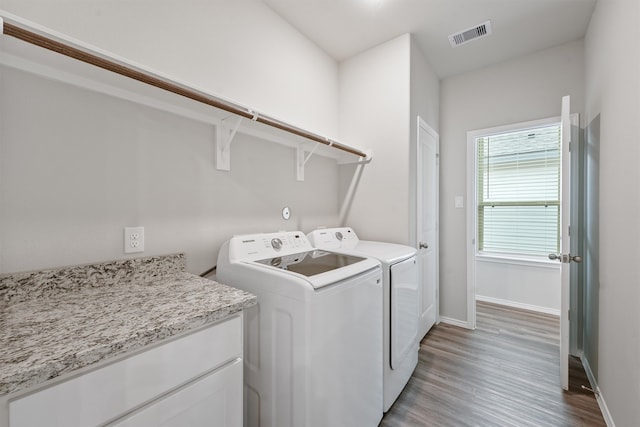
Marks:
<point>276,243</point>
<point>339,236</point>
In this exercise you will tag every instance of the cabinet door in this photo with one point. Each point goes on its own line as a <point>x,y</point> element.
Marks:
<point>213,400</point>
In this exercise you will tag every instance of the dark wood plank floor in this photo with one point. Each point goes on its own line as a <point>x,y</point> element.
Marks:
<point>505,373</point>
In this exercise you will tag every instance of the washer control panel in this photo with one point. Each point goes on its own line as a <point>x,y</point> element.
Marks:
<point>251,247</point>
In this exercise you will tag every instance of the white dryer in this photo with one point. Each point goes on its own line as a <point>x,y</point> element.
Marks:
<point>400,301</point>
<point>313,343</point>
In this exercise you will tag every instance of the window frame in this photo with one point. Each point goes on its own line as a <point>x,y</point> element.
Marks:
<point>472,190</point>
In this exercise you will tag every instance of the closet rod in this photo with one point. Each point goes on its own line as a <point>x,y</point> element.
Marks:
<point>124,70</point>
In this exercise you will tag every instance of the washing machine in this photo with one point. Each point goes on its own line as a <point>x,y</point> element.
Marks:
<point>400,302</point>
<point>313,343</point>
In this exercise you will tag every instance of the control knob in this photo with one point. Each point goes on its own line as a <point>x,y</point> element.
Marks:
<point>276,243</point>
<point>339,236</point>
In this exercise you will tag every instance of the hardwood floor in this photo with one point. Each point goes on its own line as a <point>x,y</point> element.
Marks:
<point>505,373</point>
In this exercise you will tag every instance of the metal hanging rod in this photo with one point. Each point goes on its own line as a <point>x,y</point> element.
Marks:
<point>41,40</point>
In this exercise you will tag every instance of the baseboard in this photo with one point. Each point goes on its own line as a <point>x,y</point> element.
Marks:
<point>599,397</point>
<point>519,305</point>
<point>454,322</point>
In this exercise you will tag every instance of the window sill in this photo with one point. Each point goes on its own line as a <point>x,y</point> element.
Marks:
<point>518,260</point>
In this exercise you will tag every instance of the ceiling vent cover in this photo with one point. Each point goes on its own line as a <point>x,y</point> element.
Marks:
<point>469,34</point>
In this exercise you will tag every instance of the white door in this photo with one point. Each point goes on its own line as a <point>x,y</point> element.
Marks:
<point>565,257</point>
<point>427,224</point>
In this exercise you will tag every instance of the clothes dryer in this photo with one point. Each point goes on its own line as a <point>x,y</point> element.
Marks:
<point>400,301</point>
<point>313,343</point>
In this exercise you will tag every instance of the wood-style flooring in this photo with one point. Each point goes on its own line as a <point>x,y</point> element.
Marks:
<point>505,373</point>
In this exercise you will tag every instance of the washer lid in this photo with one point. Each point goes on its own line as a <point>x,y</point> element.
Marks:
<point>311,263</point>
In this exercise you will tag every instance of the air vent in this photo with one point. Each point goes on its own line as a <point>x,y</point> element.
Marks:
<point>469,34</point>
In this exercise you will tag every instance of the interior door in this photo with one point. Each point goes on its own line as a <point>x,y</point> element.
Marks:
<point>427,224</point>
<point>565,257</point>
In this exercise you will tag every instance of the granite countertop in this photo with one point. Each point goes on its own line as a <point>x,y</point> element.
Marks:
<point>56,321</point>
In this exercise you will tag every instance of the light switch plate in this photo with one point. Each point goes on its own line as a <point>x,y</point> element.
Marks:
<point>459,202</point>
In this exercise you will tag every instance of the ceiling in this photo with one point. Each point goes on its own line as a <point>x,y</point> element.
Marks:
<point>344,28</point>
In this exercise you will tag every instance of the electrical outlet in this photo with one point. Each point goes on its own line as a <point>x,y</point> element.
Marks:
<point>133,240</point>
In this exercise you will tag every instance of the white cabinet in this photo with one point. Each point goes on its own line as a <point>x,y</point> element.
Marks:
<point>212,401</point>
<point>194,377</point>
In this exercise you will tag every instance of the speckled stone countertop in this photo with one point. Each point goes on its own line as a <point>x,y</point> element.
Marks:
<point>56,321</point>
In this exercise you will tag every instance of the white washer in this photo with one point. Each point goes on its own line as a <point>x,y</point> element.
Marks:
<point>313,343</point>
<point>400,301</point>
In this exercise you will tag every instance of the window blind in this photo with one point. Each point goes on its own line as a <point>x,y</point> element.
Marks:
<point>519,191</point>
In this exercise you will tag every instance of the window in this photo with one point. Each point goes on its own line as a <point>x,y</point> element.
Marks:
<point>518,191</point>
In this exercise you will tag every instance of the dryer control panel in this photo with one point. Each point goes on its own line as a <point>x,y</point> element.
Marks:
<point>334,238</point>
<point>251,247</point>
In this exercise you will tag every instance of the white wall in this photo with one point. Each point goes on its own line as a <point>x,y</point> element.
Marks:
<point>76,167</point>
<point>519,90</point>
<point>528,286</point>
<point>374,113</point>
<point>240,50</point>
<point>425,103</point>
<point>425,91</point>
<point>382,92</point>
<point>612,90</point>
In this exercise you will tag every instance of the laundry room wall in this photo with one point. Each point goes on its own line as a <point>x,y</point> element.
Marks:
<point>382,91</point>
<point>612,92</point>
<point>374,113</point>
<point>519,90</point>
<point>239,50</point>
<point>425,103</point>
<point>530,286</point>
<point>77,166</point>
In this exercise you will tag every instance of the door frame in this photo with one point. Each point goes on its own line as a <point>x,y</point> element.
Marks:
<point>421,124</point>
<point>471,212</point>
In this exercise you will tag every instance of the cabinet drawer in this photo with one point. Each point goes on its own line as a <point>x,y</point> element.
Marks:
<point>108,392</point>
<point>214,400</point>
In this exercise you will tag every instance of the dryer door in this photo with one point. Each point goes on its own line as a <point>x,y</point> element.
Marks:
<point>404,310</point>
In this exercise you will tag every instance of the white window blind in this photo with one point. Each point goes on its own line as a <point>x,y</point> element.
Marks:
<point>519,191</point>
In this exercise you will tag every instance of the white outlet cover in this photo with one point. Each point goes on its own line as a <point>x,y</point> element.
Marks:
<point>133,240</point>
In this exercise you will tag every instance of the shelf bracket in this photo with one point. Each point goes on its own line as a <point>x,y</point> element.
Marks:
<point>225,133</point>
<point>302,159</point>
